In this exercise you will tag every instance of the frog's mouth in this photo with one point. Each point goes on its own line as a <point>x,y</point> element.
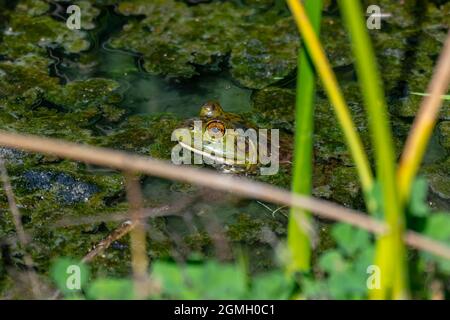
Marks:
<point>216,159</point>
<point>219,145</point>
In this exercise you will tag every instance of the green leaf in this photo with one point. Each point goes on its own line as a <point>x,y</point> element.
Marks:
<point>333,262</point>
<point>69,275</point>
<point>272,285</point>
<point>111,289</point>
<point>443,97</point>
<point>418,204</point>
<point>438,228</point>
<point>350,239</point>
<point>210,280</point>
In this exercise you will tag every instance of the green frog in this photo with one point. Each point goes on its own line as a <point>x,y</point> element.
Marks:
<point>227,141</point>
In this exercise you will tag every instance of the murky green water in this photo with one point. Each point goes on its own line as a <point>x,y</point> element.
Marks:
<point>245,57</point>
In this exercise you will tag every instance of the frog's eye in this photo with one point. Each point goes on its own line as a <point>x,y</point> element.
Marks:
<point>215,129</point>
<point>211,109</point>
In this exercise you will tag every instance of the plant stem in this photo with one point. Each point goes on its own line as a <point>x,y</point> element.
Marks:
<point>424,123</point>
<point>391,259</point>
<point>298,238</point>
<point>334,93</point>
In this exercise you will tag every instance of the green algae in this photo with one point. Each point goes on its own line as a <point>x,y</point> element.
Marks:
<point>174,38</point>
<point>89,14</point>
<point>94,92</point>
<point>438,177</point>
<point>180,41</point>
<point>407,52</point>
<point>33,34</point>
<point>444,131</point>
<point>33,8</point>
<point>335,42</point>
<point>275,106</point>
<point>149,135</point>
<point>266,54</point>
<point>24,81</point>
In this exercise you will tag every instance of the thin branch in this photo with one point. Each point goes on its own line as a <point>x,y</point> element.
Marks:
<point>139,259</point>
<point>207,178</point>
<point>424,123</point>
<point>238,185</point>
<point>118,233</point>
<point>21,235</point>
<point>104,244</point>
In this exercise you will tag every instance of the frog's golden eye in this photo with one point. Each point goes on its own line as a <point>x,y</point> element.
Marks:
<point>215,129</point>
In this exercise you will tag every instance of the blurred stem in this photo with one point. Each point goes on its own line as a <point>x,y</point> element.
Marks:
<point>298,238</point>
<point>424,123</point>
<point>334,93</point>
<point>21,235</point>
<point>139,259</point>
<point>390,255</point>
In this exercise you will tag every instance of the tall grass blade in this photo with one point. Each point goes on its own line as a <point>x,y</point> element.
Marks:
<point>390,255</point>
<point>334,93</point>
<point>424,123</point>
<point>298,239</point>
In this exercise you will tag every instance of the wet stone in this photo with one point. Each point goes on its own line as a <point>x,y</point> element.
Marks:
<point>66,188</point>
<point>11,155</point>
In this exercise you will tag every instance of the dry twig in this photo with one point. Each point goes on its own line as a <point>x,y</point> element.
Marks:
<point>241,186</point>
<point>139,258</point>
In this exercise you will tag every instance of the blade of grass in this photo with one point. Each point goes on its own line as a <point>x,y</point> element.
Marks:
<point>298,238</point>
<point>334,93</point>
<point>423,125</point>
<point>390,255</point>
<point>443,97</point>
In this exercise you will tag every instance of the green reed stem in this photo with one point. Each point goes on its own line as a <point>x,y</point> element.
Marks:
<point>298,238</point>
<point>390,252</point>
<point>331,86</point>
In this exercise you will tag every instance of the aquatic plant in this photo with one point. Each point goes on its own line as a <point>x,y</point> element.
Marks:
<point>298,237</point>
<point>390,253</point>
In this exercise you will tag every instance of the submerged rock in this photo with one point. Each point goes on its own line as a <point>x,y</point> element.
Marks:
<point>66,188</point>
<point>11,155</point>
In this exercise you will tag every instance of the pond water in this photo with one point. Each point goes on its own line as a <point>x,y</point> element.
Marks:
<point>254,76</point>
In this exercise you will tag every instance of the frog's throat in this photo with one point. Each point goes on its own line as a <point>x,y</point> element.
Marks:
<point>217,159</point>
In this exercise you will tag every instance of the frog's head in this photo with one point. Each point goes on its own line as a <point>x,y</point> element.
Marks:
<point>218,131</point>
<point>211,109</point>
